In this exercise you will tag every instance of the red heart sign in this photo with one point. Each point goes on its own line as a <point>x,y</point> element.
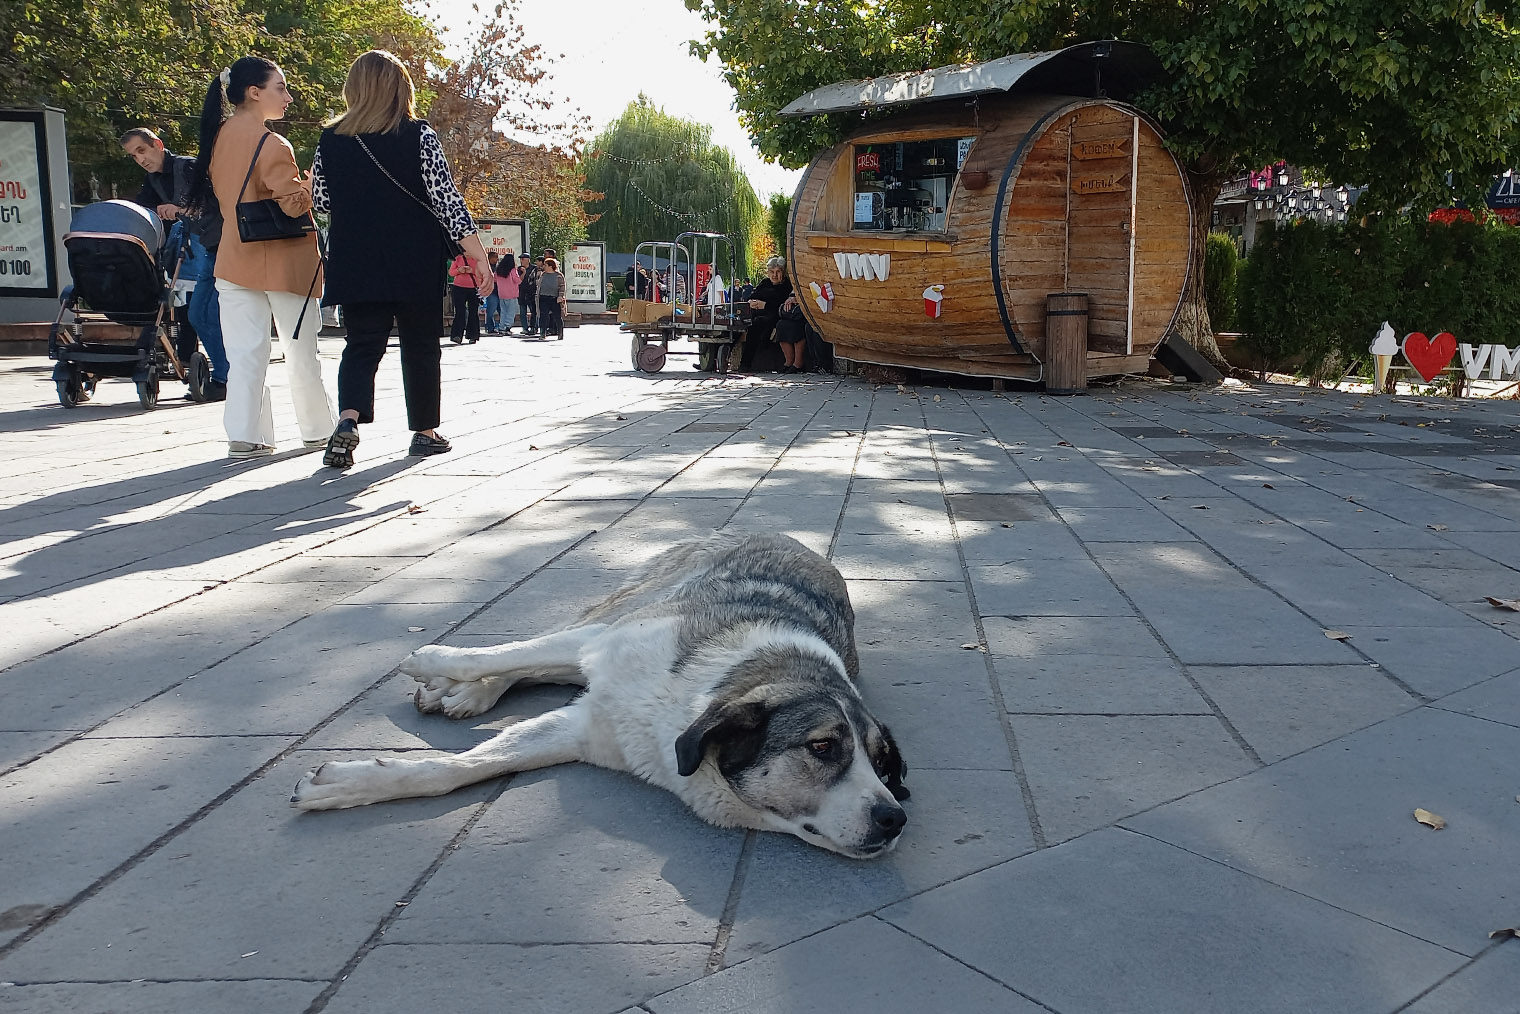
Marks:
<point>1429,356</point>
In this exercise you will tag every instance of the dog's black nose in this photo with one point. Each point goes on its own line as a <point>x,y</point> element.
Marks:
<point>889,818</point>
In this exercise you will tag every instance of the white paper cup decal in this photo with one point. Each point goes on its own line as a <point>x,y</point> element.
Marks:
<point>934,301</point>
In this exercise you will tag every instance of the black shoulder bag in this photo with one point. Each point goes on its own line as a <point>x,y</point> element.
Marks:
<point>450,244</point>
<point>258,221</point>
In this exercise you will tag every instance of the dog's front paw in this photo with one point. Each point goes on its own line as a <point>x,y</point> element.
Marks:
<point>437,661</point>
<point>456,699</point>
<point>337,785</point>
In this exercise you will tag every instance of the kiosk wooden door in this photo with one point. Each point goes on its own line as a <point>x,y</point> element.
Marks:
<point>1100,222</point>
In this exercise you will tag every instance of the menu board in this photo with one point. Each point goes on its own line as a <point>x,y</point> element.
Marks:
<point>24,222</point>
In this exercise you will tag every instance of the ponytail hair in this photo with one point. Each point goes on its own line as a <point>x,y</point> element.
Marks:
<point>229,87</point>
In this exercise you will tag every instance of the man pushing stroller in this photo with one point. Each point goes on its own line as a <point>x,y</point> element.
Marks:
<point>166,192</point>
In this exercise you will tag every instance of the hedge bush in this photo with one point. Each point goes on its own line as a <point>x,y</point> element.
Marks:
<point>1221,262</point>
<point>1308,291</point>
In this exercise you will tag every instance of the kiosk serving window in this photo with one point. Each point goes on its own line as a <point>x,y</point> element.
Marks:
<point>905,185</point>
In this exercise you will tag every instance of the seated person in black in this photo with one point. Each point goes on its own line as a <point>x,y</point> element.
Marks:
<point>765,302</point>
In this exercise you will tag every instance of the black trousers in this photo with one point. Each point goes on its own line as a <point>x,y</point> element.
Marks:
<point>466,313</point>
<point>549,319</point>
<point>369,328</point>
<point>528,300</point>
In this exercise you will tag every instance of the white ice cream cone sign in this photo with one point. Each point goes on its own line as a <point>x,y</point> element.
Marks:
<point>1383,348</point>
<point>934,301</point>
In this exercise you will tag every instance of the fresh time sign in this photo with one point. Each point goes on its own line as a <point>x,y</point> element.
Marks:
<point>23,209</point>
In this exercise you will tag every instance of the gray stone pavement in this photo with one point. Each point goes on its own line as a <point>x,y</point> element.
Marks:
<point>1144,778</point>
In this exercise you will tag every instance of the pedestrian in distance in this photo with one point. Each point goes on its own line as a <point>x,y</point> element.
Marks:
<point>551,301</point>
<point>493,301</point>
<point>466,283</point>
<point>242,160</point>
<point>167,191</point>
<point>382,178</point>
<point>527,295</point>
<point>508,282</point>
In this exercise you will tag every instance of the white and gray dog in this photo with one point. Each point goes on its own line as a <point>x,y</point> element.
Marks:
<point>725,671</point>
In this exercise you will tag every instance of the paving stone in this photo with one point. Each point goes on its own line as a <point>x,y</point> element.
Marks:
<point>546,601</point>
<point>96,802</point>
<point>570,978</point>
<point>958,822</point>
<point>1088,771</point>
<point>895,558</point>
<point>1194,934</point>
<point>291,680</point>
<point>267,996</point>
<point>990,544</point>
<point>1491,983</point>
<point>899,615</point>
<point>1041,588</point>
<point>578,853</point>
<point>861,965</point>
<point>1188,621</point>
<point>1123,524</point>
<point>1438,660</point>
<point>1281,710</point>
<point>937,705</point>
<point>1336,823</point>
<point>343,870</point>
<point>1497,699</point>
<point>17,747</point>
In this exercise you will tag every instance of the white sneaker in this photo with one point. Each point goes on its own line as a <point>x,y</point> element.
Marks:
<point>243,449</point>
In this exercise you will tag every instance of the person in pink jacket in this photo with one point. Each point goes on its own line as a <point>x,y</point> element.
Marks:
<point>466,291</point>
<point>508,282</point>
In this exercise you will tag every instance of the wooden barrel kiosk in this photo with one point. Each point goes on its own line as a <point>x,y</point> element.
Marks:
<point>942,229</point>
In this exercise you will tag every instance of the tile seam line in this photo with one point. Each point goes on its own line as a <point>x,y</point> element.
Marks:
<point>144,853</point>
<point>1492,946</point>
<point>962,962</point>
<point>1233,565</point>
<point>1229,727</point>
<point>1295,891</point>
<point>994,688</point>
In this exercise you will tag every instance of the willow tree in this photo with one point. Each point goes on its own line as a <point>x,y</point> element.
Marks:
<point>661,176</point>
<point>1419,100</point>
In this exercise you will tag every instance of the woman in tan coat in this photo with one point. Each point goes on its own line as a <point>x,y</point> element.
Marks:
<point>270,279</point>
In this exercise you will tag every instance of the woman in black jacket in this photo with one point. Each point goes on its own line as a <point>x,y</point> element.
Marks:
<point>773,292</point>
<point>382,177</point>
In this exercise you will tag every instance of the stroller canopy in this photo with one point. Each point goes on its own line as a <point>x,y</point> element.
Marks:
<point>118,218</point>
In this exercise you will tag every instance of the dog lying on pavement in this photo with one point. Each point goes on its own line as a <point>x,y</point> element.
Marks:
<point>724,672</point>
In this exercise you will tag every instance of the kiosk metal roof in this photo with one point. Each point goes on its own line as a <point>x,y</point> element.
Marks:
<point>1122,67</point>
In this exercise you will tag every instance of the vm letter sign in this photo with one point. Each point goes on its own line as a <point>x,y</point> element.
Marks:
<point>1500,362</point>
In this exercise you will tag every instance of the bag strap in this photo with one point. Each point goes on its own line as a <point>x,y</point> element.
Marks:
<point>321,262</point>
<point>249,175</point>
<point>427,207</point>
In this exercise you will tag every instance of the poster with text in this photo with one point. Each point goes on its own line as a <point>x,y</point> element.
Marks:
<point>585,277</point>
<point>24,221</point>
<point>504,237</point>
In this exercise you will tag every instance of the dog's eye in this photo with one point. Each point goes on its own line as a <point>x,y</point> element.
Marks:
<point>822,747</point>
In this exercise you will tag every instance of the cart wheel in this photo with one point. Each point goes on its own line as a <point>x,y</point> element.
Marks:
<point>637,347</point>
<point>198,376</point>
<point>651,358</point>
<point>723,351</point>
<point>68,393</point>
<point>147,393</point>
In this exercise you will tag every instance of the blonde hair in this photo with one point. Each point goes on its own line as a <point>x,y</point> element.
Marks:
<point>378,94</point>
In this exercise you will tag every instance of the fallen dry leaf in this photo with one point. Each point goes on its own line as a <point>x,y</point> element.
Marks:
<point>970,646</point>
<point>532,447</point>
<point>1438,528</point>
<point>1505,933</point>
<point>1200,506</point>
<point>416,630</point>
<point>414,509</point>
<point>1337,635</point>
<point>1513,604</point>
<point>1006,525</point>
<point>1429,819</point>
<point>1267,485</point>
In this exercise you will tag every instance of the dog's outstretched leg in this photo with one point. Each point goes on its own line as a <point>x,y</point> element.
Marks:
<point>552,738</point>
<point>551,652</point>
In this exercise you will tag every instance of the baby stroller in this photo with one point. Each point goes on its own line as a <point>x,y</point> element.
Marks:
<point>121,274</point>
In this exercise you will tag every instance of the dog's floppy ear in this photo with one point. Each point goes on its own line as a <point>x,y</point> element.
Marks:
<point>737,728</point>
<point>896,767</point>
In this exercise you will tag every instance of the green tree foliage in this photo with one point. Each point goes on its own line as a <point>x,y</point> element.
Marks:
<point>1395,95</point>
<point>1308,291</point>
<point>115,64</point>
<point>660,176</point>
<point>1220,263</point>
<point>777,214</point>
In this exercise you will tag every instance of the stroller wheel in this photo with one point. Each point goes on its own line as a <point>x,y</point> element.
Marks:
<point>69,393</point>
<point>198,377</point>
<point>147,393</point>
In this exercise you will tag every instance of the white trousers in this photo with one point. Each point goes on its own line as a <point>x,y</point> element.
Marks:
<point>249,414</point>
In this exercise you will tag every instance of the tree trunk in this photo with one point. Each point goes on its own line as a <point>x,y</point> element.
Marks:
<point>1193,324</point>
